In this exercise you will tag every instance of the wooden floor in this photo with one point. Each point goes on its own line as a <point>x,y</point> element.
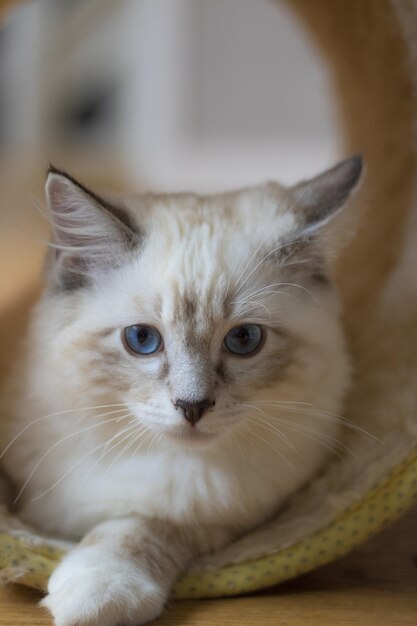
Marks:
<point>374,586</point>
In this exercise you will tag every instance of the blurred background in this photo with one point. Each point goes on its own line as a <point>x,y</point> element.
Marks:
<point>166,94</point>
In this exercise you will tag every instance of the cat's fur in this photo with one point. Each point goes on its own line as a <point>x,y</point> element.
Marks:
<point>143,489</point>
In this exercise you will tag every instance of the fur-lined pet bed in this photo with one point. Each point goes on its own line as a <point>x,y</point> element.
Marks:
<point>371,47</point>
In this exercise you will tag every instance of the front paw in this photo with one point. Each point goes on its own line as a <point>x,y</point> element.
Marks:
<point>94,588</point>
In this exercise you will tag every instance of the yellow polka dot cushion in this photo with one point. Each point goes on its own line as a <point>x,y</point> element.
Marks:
<point>371,55</point>
<point>30,560</point>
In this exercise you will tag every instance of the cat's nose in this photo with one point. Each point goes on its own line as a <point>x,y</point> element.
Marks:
<point>194,411</point>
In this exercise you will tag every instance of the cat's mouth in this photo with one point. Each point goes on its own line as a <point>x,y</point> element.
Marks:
<point>190,434</point>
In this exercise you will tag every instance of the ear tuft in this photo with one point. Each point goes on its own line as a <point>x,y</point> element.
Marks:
<point>317,200</point>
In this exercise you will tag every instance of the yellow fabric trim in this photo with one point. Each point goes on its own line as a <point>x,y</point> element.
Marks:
<point>32,565</point>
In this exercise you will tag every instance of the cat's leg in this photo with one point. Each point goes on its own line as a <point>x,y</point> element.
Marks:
<point>120,574</point>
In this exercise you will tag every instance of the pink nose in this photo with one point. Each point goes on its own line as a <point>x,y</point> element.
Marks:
<point>194,411</point>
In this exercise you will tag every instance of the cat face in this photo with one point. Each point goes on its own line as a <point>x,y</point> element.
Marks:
<point>188,309</point>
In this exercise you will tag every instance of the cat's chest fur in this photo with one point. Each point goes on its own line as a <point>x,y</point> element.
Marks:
<point>235,489</point>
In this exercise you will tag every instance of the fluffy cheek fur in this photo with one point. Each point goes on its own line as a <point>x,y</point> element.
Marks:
<point>302,364</point>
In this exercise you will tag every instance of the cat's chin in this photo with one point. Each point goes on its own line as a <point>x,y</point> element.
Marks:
<point>191,436</point>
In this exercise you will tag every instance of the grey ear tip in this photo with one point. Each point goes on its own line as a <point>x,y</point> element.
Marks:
<point>357,164</point>
<point>357,159</point>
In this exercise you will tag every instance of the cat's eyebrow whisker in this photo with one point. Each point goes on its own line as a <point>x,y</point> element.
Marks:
<point>55,445</point>
<point>252,305</point>
<point>289,243</point>
<point>266,288</point>
<point>290,210</point>
<point>239,278</point>
<point>64,412</point>
<point>278,292</point>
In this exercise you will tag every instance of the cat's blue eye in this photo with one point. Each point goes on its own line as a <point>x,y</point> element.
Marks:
<point>244,340</point>
<point>142,339</point>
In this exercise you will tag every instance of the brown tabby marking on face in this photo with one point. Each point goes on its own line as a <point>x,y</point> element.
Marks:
<point>104,333</point>
<point>221,372</point>
<point>112,357</point>
<point>157,304</point>
<point>165,369</point>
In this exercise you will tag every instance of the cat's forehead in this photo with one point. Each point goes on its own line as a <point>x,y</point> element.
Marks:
<point>197,250</point>
<point>248,209</point>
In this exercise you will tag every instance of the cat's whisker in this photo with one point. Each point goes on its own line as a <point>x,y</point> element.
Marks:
<point>314,412</point>
<point>267,290</point>
<point>285,402</point>
<point>270,253</point>
<point>289,210</point>
<point>64,412</point>
<point>252,305</point>
<point>248,437</point>
<point>71,469</point>
<point>277,430</point>
<point>327,441</point>
<point>131,427</point>
<point>140,443</point>
<point>140,430</point>
<point>268,287</point>
<point>235,437</point>
<point>55,445</point>
<point>268,443</point>
<point>304,428</point>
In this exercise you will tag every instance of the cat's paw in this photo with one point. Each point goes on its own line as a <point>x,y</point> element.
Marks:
<point>94,588</point>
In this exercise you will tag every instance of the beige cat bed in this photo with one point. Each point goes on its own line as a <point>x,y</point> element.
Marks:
<point>370,45</point>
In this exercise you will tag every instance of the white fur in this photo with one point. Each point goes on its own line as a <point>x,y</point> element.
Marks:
<point>234,471</point>
<point>94,588</point>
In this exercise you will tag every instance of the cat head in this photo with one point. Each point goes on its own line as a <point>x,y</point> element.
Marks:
<point>186,309</point>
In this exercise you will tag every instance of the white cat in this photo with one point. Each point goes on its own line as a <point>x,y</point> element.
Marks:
<point>177,383</point>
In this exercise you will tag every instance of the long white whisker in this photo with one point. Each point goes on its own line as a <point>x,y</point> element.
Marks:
<point>290,210</point>
<point>304,429</point>
<point>57,482</point>
<point>268,443</point>
<point>281,435</point>
<point>314,412</point>
<point>290,243</point>
<point>141,430</point>
<point>55,445</point>
<point>131,426</point>
<point>64,412</point>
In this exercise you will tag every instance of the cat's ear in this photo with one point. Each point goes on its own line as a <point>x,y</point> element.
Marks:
<point>89,235</point>
<point>317,200</point>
